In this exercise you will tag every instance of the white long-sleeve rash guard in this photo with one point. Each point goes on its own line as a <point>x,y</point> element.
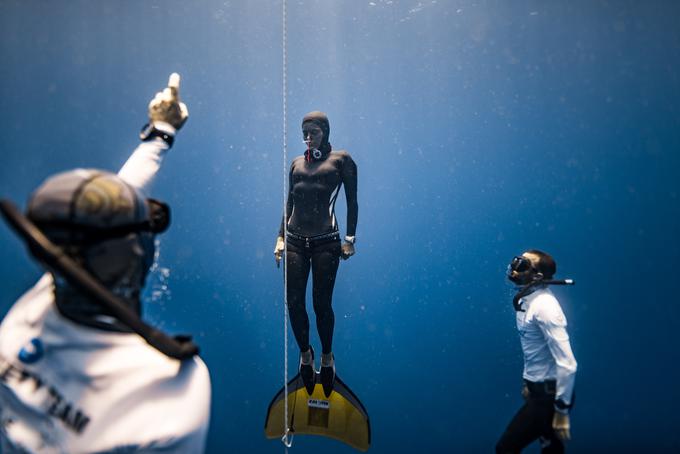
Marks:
<point>68,388</point>
<point>545,343</point>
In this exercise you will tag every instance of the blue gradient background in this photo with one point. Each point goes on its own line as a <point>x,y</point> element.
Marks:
<point>480,129</point>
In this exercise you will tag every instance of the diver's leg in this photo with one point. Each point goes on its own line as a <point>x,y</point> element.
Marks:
<point>524,428</point>
<point>325,260</point>
<point>297,270</point>
<point>550,444</point>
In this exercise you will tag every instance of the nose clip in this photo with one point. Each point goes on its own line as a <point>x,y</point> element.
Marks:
<point>316,153</point>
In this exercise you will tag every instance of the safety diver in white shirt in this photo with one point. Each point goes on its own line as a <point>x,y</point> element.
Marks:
<point>549,364</point>
<point>80,371</point>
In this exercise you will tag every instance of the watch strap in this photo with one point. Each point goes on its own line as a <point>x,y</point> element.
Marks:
<point>157,129</point>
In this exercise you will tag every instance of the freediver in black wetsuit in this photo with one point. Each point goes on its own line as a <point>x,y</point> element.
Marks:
<point>313,240</point>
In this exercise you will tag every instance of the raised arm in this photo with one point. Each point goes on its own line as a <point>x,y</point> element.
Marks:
<point>167,114</point>
<point>142,166</point>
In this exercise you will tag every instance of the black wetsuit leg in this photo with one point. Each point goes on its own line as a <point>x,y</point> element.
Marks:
<point>298,264</point>
<point>323,259</point>
<point>531,422</point>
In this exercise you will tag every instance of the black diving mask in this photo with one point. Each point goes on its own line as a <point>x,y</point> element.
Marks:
<point>520,264</point>
<point>521,271</point>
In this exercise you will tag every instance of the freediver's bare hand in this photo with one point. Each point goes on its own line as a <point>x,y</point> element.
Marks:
<point>278,250</point>
<point>166,106</point>
<point>560,424</point>
<point>347,250</point>
<point>525,392</point>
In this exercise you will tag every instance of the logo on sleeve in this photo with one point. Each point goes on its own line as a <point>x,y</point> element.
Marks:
<point>32,351</point>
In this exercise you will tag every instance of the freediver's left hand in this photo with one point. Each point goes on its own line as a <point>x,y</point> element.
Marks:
<point>278,250</point>
<point>347,250</point>
<point>166,106</point>
<point>560,424</point>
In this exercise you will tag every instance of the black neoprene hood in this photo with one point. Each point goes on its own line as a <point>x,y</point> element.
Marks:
<point>321,120</point>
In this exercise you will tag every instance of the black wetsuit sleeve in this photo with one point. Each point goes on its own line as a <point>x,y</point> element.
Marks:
<point>349,179</point>
<point>289,202</point>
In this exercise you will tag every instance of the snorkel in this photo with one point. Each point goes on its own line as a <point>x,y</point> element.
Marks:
<point>522,272</point>
<point>537,283</point>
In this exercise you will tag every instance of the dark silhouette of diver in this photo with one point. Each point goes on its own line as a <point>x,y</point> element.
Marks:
<point>313,240</point>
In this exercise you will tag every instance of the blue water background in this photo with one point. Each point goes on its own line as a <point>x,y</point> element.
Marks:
<point>480,129</point>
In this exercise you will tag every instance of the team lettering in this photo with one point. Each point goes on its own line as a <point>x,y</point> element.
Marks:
<point>55,404</point>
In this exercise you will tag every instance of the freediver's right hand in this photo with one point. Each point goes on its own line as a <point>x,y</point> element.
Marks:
<point>278,250</point>
<point>166,107</point>
<point>525,392</point>
<point>561,425</point>
<point>347,250</point>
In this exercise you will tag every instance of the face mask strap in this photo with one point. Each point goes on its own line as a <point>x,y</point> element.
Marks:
<point>158,222</point>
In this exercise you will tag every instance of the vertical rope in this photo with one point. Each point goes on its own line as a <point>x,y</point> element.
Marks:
<point>288,442</point>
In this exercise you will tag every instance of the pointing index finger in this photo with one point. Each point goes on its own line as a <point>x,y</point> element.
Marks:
<point>173,85</point>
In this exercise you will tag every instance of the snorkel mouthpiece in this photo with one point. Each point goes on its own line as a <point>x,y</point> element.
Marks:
<point>308,152</point>
<point>311,152</point>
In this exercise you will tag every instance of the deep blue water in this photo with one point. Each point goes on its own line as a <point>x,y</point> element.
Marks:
<point>480,129</point>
